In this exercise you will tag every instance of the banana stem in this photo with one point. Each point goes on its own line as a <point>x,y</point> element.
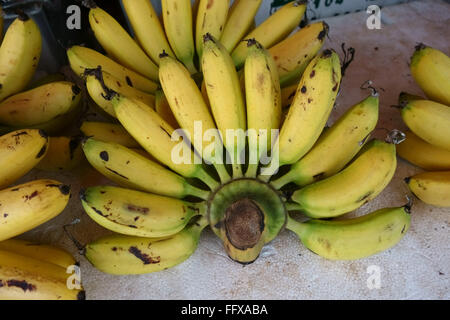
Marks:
<point>252,170</point>
<point>196,192</point>
<point>190,66</point>
<point>282,181</point>
<point>207,179</point>
<point>292,206</point>
<point>297,227</point>
<point>237,171</point>
<point>222,172</point>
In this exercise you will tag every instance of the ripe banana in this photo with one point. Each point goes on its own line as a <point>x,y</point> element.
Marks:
<point>128,168</point>
<point>81,58</point>
<point>263,98</point>
<point>138,213</point>
<point>40,105</point>
<point>96,79</point>
<point>429,120</point>
<point>114,39</point>
<point>147,28</point>
<point>430,68</point>
<point>240,19</point>
<point>431,187</point>
<point>355,238</point>
<point>336,147</point>
<point>189,108</point>
<point>293,54</point>
<point>28,205</point>
<point>273,29</point>
<point>287,95</point>
<point>19,55</point>
<point>423,154</point>
<point>120,255</point>
<point>211,18</point>
<point>225,97</point>
<point>43,252</point>
<point>108,132</point>
<point>26,278</point>
<point>361,181</point>
<point>163,109</point>
<point>311,107</point>
<point>20,151</point>
<point>177,17</point>
<point>63,153</point>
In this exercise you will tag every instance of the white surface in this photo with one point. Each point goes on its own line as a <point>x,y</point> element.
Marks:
<point>417,268</point>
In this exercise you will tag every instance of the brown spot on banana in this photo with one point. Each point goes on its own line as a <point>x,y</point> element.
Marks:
<point>146,259</point>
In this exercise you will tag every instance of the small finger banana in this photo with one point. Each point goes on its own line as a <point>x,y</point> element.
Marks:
<point>64,153</point>
<point>133,170</point>
<point>20,151</point>
<point>336,147</point>
<point>361,181</point>
<point>120,254</point>
<point>40,105</point>
<point>108,132</point>
<point>429,120</point>
<point>20,51</point>
<point>431,187</point>
<point>28,205</point>
<point>137,213</point>
<point>355,238</point>
<point>26,278</point>
<point>431,70</point>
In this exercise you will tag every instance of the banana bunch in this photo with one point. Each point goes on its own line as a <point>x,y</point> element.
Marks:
<point>427,143</point>
<point>33,271</point>
<point>222,156</point>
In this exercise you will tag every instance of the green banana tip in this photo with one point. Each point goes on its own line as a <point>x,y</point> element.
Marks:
<point>163,54</point>
<point>208,37</point>
<point>252,42</point>
<point>420,46</point>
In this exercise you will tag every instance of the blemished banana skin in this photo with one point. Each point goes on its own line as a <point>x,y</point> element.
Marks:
<point>428,120</point>
<point>20,151</point>
<point>26,278</point>
<point>361,181</point>
<point>138,213</point>
<point>40,105</point>
<point>64,153</point>
<point>121,254</point>
<point>354,238</point>
<point>335,147</point>
<point>431,187</point>
<point>20,51</point>
<point>430,69</point>
<point>82,58</point>
<point>108,132</point>
<point>28,205</point>
<point>274,29</point>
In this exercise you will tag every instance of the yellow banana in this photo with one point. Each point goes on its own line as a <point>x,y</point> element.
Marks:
<point>429,120</point>
<point>130,169</point>
<point>293,54</point>
<point>240,19</point>
<point>287,95</point>
<point>147,28</point>
<point>273,29</point>
<point>225,97</point>
<point>81,58</point>
<point>423,154</point>
<point>26,278</point>
<point>163,109</point>
<point>188,107</point>
<point>43,252</point>
<point>355,238</point>
<point>97,79</point>
<point>20,151</point>
<point>40,105</point>
<point>430,68</point>
<point>177,17</point>
<point>138,213</point>
<point>311,107</point>
<point>211,18</point>
<point>19,55</point>
<point>336,147</point>
<point>118,44</point>
<point>361,181</point>
<point>64,153</point>
<point>28,205</point>
<point>263,98</point>
<point>431,187</point>
<point>108,132</point>
<point>120,254</point>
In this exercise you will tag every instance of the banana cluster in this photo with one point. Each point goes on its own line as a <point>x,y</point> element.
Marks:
<point>209,65</point>
<point>427,143</point>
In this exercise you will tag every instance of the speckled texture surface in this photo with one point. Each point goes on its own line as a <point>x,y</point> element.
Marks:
<point>417,268</point>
